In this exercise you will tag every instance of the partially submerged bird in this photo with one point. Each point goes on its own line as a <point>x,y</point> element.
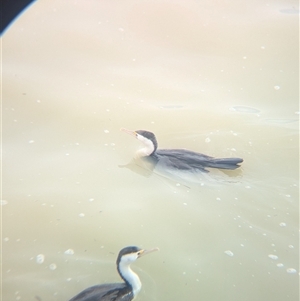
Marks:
<point>124,291</point>
<point>181,159</point>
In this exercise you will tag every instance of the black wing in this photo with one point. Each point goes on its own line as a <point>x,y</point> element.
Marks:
<point>186,159</point>
<point>183,159</point>
<point>105,292</point>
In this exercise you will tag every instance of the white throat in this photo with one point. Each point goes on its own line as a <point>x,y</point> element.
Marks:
<point>147,150</point>
<point>131,277</point>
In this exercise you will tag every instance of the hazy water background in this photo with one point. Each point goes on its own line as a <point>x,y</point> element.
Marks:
<point>218,77</point>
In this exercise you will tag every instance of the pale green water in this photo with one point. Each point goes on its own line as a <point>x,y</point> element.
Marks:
<point>220,78</point>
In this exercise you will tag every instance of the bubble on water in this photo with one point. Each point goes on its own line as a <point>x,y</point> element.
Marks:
<point>207,140</point>
<point>40,258</point>
<point>106,131</point>
<point>69,279</point>
<point>276,87</point>
<point>52,266</point>
<point>274,257</point>
<point>282,224</point>
<point>91,200</point>
<point>229,253</point>
<point>291,246</point>
<point>280,265</point>
<point>6,239</point>
<point>69,252</point>
<point>31,141</point>
<point>81,214</point>
<point>3,202</point>
<point>291,271</point>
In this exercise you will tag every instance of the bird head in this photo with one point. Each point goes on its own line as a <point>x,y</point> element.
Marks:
<point>147,138</point>
<point>130,254</point>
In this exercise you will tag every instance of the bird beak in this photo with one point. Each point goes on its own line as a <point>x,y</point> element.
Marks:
<point>145,252</point>
<point>131,133</point>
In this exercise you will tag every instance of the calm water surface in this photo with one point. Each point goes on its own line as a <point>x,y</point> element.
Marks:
<point>216,77</point>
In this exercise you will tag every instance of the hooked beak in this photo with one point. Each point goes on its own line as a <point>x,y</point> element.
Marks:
<point>131,133</point>
<point>145,252</point>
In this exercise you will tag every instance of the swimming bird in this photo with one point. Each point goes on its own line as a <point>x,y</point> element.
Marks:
<point>124,291</point>
<point>180,159</point>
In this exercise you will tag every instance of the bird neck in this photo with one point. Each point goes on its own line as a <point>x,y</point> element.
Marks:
<point>144,152</point>
<point>130,277</point>
<point>148,150</point>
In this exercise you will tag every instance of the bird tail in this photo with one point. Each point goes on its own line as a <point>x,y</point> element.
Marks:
<point>225,163</point>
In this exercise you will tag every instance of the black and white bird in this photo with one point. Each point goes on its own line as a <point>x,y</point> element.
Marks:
<point>124,291</point>
<point>180,159</point>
